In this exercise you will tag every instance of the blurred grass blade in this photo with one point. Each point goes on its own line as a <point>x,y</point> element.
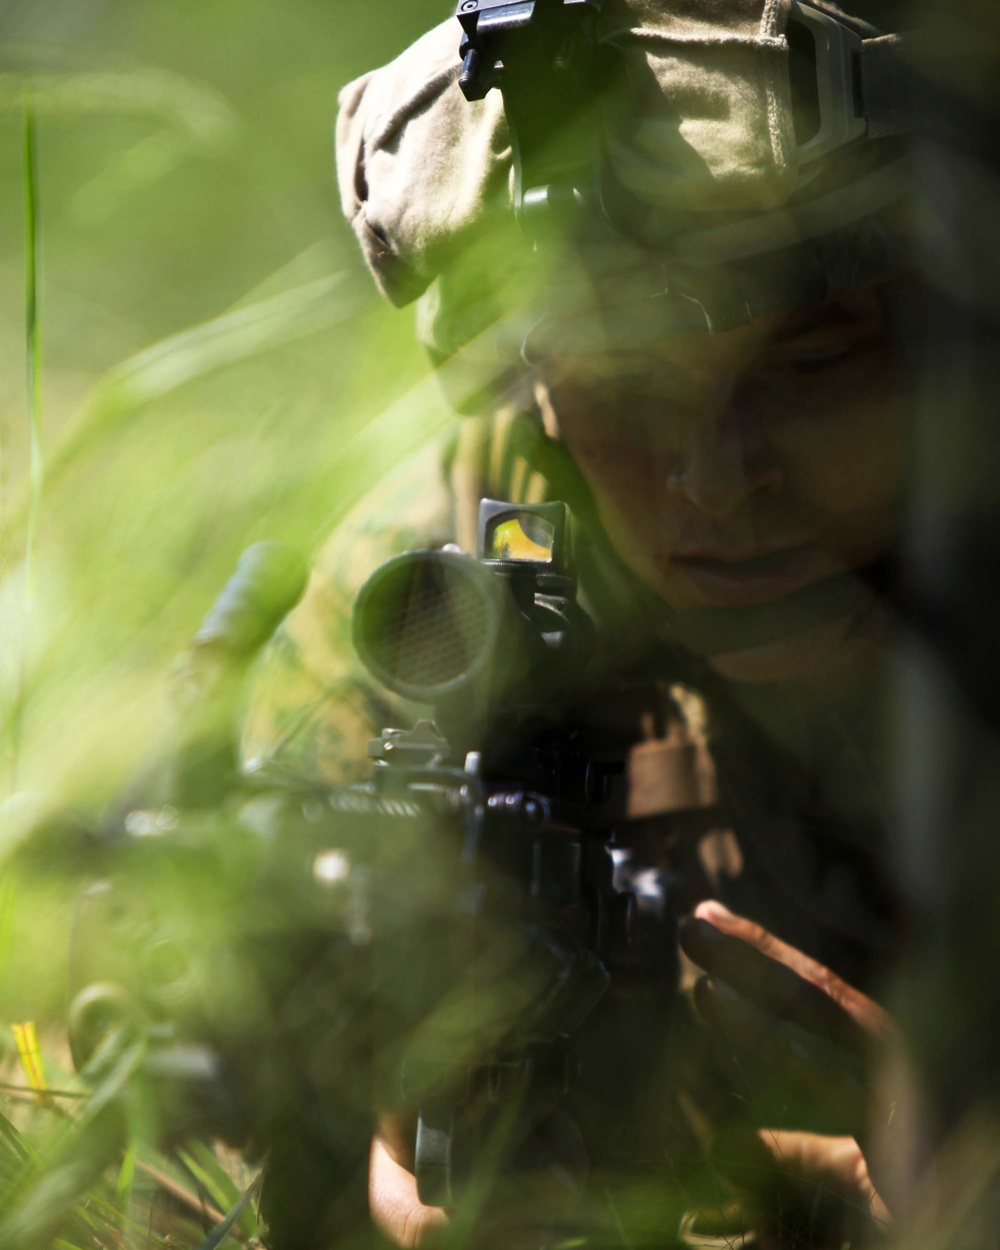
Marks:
<point>123,1185</point>
<point>221,1231</point>
<point>199,110</point>
<point>409,423</point>
<point>16,1145</point>
<point>192,1202</point>
<point>383,443</point>
<point>48,1189</point>
<point>32,329</point>
<point>214,1180</point>
<point>119,1066</point>
<point>30,1054</point>
<point>40,1204</point>
<point>33,391</point>
<point>170,364</point>
<point>8,896</point>
<point>206,1168</point>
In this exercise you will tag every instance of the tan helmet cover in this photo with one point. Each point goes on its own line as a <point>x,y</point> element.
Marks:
<point>426,178</point>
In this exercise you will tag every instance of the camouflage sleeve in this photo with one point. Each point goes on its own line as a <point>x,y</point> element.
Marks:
<point>314,708</point>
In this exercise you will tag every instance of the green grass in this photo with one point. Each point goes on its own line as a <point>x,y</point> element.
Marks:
<point>217,369</point>
<point>204,308</point>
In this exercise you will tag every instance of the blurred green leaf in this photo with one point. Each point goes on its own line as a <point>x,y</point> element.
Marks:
<point>165,367</point>
<point>193,107</point>
<point>226,340</point>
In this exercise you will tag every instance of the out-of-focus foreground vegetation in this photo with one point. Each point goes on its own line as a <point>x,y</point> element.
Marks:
<point>215,369</point>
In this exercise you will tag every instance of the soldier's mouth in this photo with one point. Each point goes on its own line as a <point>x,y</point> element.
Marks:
<point>729,583</point>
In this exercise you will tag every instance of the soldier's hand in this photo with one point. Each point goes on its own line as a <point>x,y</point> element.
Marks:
<point>798,1042</point>
<point>792,1189</point>
<point>532,1200</point>
<point>392,1195</point>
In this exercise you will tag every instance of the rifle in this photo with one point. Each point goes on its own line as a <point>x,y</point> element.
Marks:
<point>428,941</point>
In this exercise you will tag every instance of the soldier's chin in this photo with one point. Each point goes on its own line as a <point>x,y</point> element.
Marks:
<point>784,659</point>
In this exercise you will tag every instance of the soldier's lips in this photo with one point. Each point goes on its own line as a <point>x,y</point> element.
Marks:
<point>724,582</point>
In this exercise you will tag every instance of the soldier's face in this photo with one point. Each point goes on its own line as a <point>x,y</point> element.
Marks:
<point>733,470</point>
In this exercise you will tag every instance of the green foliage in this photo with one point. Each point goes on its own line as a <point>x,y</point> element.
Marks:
<point>205,366</point>
<point>211,353</point>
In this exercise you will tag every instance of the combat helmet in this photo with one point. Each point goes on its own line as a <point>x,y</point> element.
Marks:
<point>555,177</point>
<point>629,167</point>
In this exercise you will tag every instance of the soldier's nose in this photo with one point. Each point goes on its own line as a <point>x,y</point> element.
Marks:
<point>727,462</point>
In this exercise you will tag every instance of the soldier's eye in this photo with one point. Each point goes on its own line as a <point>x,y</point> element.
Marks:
<point>814,356</point>
<point>816,362</point>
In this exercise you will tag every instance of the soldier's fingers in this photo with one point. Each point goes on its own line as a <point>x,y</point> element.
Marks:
<point>836,1164</point>
<point>783,1074</point>
<point>773,985</point>
<point>872,1018</point>
<point>395,1205</point>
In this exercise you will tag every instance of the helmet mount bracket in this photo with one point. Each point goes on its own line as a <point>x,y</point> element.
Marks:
<point>544,57</point>
<point>547,60</point>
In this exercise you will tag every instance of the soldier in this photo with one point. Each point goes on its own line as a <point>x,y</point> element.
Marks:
<point>689,335</point>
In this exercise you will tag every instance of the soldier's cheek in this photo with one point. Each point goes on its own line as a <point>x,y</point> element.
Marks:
<point>846,474</point>
<point>624,469</point>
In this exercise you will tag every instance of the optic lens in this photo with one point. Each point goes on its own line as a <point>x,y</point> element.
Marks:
<point>521,536</point>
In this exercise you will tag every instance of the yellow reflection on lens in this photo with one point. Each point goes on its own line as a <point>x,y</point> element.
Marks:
<point>522,536</point>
